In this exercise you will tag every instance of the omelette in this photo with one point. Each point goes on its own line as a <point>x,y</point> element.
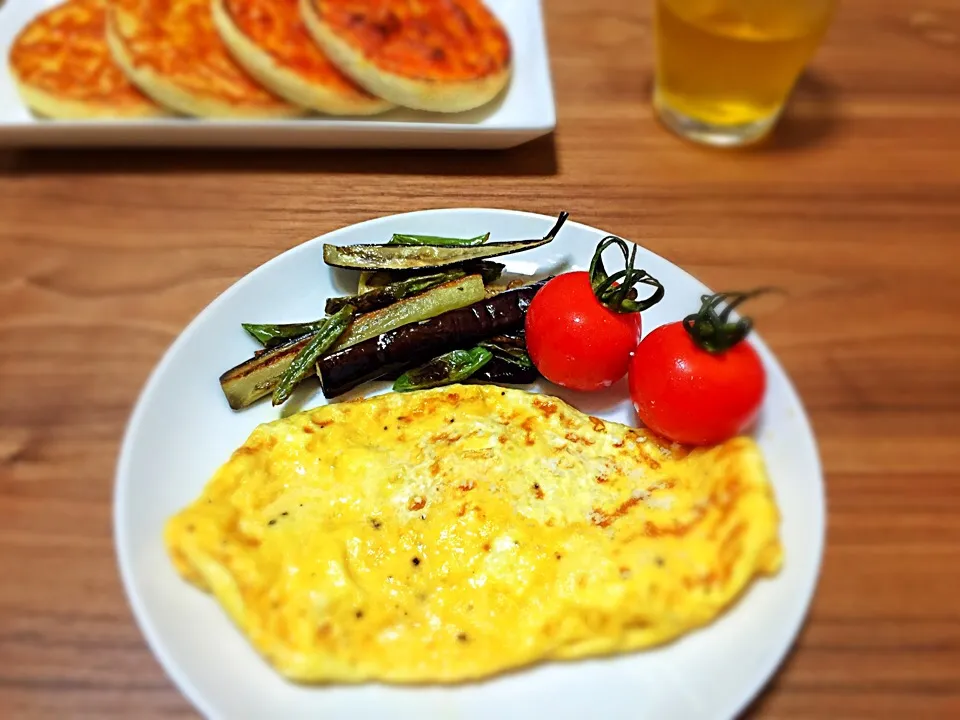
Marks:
<point>63,68</point>
<point>171,50</point>
<point>451,534</point>
<point>440,55</point>
<point>268,38</point>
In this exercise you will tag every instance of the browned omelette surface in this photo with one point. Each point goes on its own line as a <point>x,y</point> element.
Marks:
<point>442,40</point>
<point>176,42</point>
<point>450,534</point>
<point>64,68</point>
<point>276,27</point>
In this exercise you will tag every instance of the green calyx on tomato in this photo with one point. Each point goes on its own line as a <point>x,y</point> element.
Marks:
<point>713,331</point>
<point>618,292</point>
<point>582,327</point>
<point>695,381</point>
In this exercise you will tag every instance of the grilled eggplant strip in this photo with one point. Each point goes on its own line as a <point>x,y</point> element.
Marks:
<point>403,239</point>
<point>452,367</point>
<point>424,257</point>
<point>499,371</point>
<point>440,299</point>
<point>388,294</point>
<point>304,362</point>
<point>370,279</point>
<point>257,377</point>
<point>511,340</point>
<point>510,362</point>
<point>414,344</point>
<point>271,336</point>
<point>513,355</point>
<point>489,270</point>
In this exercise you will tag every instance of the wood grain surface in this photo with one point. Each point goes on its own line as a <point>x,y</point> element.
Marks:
<point>853,207</point>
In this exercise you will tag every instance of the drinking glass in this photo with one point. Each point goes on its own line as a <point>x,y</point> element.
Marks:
<point>725,68</point>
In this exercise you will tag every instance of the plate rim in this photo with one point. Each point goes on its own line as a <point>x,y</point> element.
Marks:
<point>772,660</point>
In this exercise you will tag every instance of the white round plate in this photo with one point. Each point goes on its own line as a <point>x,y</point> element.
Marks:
<point>182,430</point>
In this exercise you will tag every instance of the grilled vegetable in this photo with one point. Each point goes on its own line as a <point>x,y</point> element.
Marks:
<point>512,340</point>
<point>369,279</point>
<point>404,257</point>
<point>416,343</point>
<point>510,362</point>
<point>402,239</point>
<point>513,355</point>
<point>388,294</point>
<point>452,367</point>
<point>489,270</point>
<point>448,296</point>
<point>271,336</point>
<point>305,361</point>
<point>256,378</point>
<point>500,371</point>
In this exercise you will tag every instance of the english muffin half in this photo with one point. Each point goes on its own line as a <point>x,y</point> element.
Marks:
<point>439,55</point>
<point>268,38</point>
<point>172,51</point>
<point>62,67</point>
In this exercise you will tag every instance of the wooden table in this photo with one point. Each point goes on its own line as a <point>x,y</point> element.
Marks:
<point>854,208</point>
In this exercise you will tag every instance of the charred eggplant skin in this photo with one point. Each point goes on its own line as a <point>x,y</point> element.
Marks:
<point>369,280</point>
<point>380,297</point>
<point>452,367</point>
<point>259,376</point>
<point>499,371</point>
<point>437,300</point>
<point>415,344</point>
<point>426,257</point>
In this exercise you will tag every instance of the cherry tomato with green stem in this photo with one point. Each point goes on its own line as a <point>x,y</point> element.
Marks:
<point>582,326</point>
<point>698,381</point>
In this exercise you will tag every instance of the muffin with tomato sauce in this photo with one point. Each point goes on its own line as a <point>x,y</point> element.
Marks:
<point>268,38</point>
<point>438,55</point>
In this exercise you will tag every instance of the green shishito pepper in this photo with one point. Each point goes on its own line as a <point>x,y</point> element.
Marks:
<point>271,336</point>
<point>404,239</point>
<point>305,360</point>
<point>452,367</point>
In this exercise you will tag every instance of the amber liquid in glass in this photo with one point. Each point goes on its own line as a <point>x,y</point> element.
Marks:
<point>726,67</point>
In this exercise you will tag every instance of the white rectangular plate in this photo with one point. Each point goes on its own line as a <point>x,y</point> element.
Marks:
<point>524,111</point>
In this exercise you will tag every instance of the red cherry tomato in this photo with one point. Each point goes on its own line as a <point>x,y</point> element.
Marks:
<point>574,340</point>
<point>692,396</point>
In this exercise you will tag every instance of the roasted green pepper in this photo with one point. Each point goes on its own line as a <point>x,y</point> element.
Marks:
<point>303,364</point>
<point>452,367</point>
<point>403,239</point>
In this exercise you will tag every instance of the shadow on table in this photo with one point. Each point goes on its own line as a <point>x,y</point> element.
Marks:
<point>812,115</point>
<point>538,157</point>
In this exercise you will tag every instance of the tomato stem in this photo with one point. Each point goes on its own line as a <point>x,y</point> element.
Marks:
<point>712,330</point>
<point>618,291</point>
